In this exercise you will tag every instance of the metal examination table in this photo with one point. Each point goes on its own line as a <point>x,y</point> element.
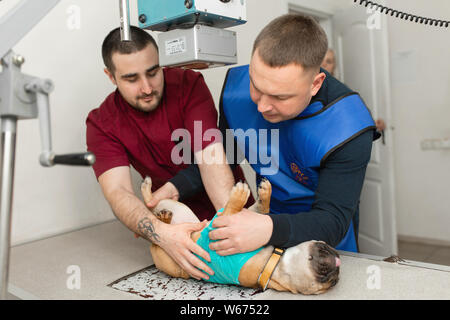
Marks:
<point>104,253</point>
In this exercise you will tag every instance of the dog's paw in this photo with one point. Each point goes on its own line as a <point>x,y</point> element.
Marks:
<point>164,215</point>
<point>238,198</point>
<point>146,184</point>
<point>146,189</point>
<point>240,193</point>
<point>264,190</point>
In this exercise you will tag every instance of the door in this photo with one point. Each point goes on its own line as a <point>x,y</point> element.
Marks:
<point>361,46</point>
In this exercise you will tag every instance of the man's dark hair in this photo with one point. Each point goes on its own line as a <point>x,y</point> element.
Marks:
<point>292,38</point>
<point>140,39</point>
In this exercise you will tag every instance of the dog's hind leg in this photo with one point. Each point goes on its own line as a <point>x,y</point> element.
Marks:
<point>161,259</point>
<point>238,198</point>
<point>146,189</point>
<point>262,204</point>
<point>180,213</point>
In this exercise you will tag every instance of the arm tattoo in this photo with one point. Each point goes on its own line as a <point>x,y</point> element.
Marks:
<point>147,229</point>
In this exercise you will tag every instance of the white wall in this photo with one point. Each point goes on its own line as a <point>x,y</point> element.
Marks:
<point>420,73</point>
<point>49,201</point>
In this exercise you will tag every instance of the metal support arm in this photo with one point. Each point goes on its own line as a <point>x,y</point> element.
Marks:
<point>22,97</point>
<point>41,89</point>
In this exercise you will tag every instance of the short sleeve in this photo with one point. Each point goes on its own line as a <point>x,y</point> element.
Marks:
<point>200,114</point>
<point>109,152</point>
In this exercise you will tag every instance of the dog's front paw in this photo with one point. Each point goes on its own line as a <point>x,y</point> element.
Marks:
<point>238,198</point>
<point>264,189</point>
<point>240,193</point>
<point>264,194</point>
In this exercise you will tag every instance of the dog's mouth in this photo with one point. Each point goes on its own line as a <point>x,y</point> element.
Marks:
<point>325,263</point>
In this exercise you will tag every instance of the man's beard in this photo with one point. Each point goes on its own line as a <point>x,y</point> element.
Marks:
<point>148,106</point>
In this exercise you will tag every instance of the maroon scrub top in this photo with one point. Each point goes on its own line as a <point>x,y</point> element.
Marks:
<point>120,135</point>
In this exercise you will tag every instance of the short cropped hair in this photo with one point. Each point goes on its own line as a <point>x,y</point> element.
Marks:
<point>292,38</point>
<point>140,39</point>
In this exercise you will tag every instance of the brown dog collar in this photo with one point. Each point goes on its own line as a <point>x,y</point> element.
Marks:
<point>269,268</point>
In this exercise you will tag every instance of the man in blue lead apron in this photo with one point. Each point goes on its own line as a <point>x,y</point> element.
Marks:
<point>320,151</point>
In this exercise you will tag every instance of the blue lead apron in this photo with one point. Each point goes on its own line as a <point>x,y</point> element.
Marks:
<point>290,153</point>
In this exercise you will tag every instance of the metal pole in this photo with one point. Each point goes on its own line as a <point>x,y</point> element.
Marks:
<point>8,127</point>
<point>124,20</point>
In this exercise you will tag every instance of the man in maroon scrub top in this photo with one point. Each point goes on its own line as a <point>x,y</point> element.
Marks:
<point>134,126</point>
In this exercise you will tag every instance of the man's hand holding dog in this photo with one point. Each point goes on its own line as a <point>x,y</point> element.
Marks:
<point>241,232</point>
<point>178,244</point>
<point>167,191</point>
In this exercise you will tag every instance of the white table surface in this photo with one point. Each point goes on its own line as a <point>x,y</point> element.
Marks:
<point>109,251</point>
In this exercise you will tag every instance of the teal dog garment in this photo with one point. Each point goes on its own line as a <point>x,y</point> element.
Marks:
<point>226,268</point>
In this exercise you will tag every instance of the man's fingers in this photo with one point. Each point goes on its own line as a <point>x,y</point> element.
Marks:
<point>195,273</point>
<point>195,248</point>
<point>158,195</point>
<point>202,224</point>
<point>167,191</point>
<point>191,270</point>
<point>220,222</point>
<point>219,234</point>
<point>196,226</point>
<point>194,266</point>
<point>221,245</point>
<point>153,203</point>
<point>196,262</point>
<point>184,250</point>
<point>227,252</point>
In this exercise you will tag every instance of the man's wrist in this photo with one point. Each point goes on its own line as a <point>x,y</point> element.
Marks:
<point>280,230</point>
<point>269,226</point>
<point>149,228</point>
